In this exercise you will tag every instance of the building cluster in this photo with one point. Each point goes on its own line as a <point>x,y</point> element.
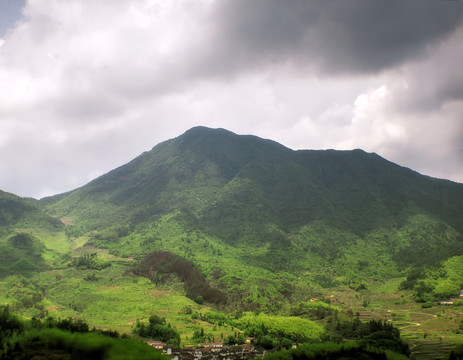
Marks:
<point>210,351</point>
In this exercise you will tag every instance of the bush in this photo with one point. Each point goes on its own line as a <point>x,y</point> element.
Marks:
<point>9,323</point>
<point>427,305</point>
<point>55,343</point>
<point>158,330</point>
<point>90,262</point>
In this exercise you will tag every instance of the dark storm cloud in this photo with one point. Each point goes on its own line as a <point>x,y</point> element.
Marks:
<point>340,36</point>
<point>436,81</point>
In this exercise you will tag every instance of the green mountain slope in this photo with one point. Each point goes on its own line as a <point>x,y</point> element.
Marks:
<point>217,175</point>
<point>16,211</point>
<point>27,236</point>
<point>264,222</point>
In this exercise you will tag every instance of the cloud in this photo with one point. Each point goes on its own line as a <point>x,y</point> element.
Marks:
<point>93,84</point>
<point>348,36</point>
<point>432,83</point>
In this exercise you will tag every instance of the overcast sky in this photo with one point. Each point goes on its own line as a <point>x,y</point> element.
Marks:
<point>87,85</point>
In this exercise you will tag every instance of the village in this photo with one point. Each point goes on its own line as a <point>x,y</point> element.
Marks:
<point>211,351</point>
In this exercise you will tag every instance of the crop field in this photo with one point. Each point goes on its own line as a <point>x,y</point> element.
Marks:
<point>431,332</point>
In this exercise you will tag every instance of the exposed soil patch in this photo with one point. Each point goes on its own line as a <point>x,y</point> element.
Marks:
<point>67,220</point>
<point>53,308</point>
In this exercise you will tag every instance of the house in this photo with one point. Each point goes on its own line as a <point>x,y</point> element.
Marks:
<point>216,346</point>
<point>159,345</point>
<point>446,302</point>
<point>213,346</point>
<point>249,340</point>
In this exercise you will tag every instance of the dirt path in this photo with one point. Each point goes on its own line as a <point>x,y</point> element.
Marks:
<point>406,326</point>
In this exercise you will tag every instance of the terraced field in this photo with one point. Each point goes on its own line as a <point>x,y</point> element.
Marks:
<point>429,350</point>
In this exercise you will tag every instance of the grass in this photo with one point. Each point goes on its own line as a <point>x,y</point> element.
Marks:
<point>114,301</point>
<point>389,286</point>
<point>56,243</point>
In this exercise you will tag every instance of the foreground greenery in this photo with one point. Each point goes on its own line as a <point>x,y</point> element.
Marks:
<point>331,351</point>
<point>71,338</point>
<point>65,339</point>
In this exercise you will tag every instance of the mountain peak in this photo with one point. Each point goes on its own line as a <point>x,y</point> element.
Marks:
<point>202,130</point>
<point>223,140</point>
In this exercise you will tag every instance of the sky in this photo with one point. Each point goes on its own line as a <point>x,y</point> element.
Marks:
<point>88,85</point>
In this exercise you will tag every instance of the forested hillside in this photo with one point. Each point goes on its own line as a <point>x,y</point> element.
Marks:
<point>215,197</point>
<point>239,223</point>
<point>216,175</point>
<point>25,232</point>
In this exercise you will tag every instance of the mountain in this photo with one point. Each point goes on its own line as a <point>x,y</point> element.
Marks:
<point>262,221</point>
<point>217,175</point>
<point>211,224</point>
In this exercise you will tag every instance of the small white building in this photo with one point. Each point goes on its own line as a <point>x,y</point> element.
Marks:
<point>158,345</point>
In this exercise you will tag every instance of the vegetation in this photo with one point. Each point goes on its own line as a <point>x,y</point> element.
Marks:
<point>439,282</point>
<point>210,225</point>
<point>248,203</point>
<point>269,331</point>
<point>158,265</point>
<point>90,261</point>
<point>457,353</point>
<point>376,334</point>
<point>158,329</point>
<point>65,339</point>
<point>332,351</point>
